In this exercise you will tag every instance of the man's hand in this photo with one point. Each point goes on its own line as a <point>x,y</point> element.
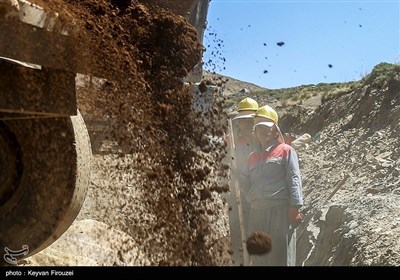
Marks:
<point>294,216</point>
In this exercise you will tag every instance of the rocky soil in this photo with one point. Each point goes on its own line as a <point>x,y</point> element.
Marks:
<point>351,176</point>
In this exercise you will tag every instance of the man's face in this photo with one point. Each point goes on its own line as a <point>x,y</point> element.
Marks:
<point>264,133</point>
<point>245,125</point>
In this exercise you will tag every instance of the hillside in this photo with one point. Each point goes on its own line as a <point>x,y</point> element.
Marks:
<point>230,86</point>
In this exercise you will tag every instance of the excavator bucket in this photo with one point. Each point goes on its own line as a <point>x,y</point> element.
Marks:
<point>44,143</point>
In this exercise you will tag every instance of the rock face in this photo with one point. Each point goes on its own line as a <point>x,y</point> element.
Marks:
<point>91,243</point>
<point>351,178</point>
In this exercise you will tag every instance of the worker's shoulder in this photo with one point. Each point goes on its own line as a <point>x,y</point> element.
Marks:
<point>284,147</point>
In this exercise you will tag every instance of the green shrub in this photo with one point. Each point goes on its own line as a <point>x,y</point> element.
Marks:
<point>381,74</point>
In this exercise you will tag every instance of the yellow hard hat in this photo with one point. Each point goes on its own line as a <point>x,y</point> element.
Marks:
<point>248,104</point>
<point>267,112</point>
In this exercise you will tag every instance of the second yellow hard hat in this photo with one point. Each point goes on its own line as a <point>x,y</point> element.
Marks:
<point>267,112</point>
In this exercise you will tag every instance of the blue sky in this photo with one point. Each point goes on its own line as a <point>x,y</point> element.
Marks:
<point>324,41</point>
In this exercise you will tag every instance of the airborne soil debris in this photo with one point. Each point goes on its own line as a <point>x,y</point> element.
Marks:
<point>259,243</point>
<point>144,52</point>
